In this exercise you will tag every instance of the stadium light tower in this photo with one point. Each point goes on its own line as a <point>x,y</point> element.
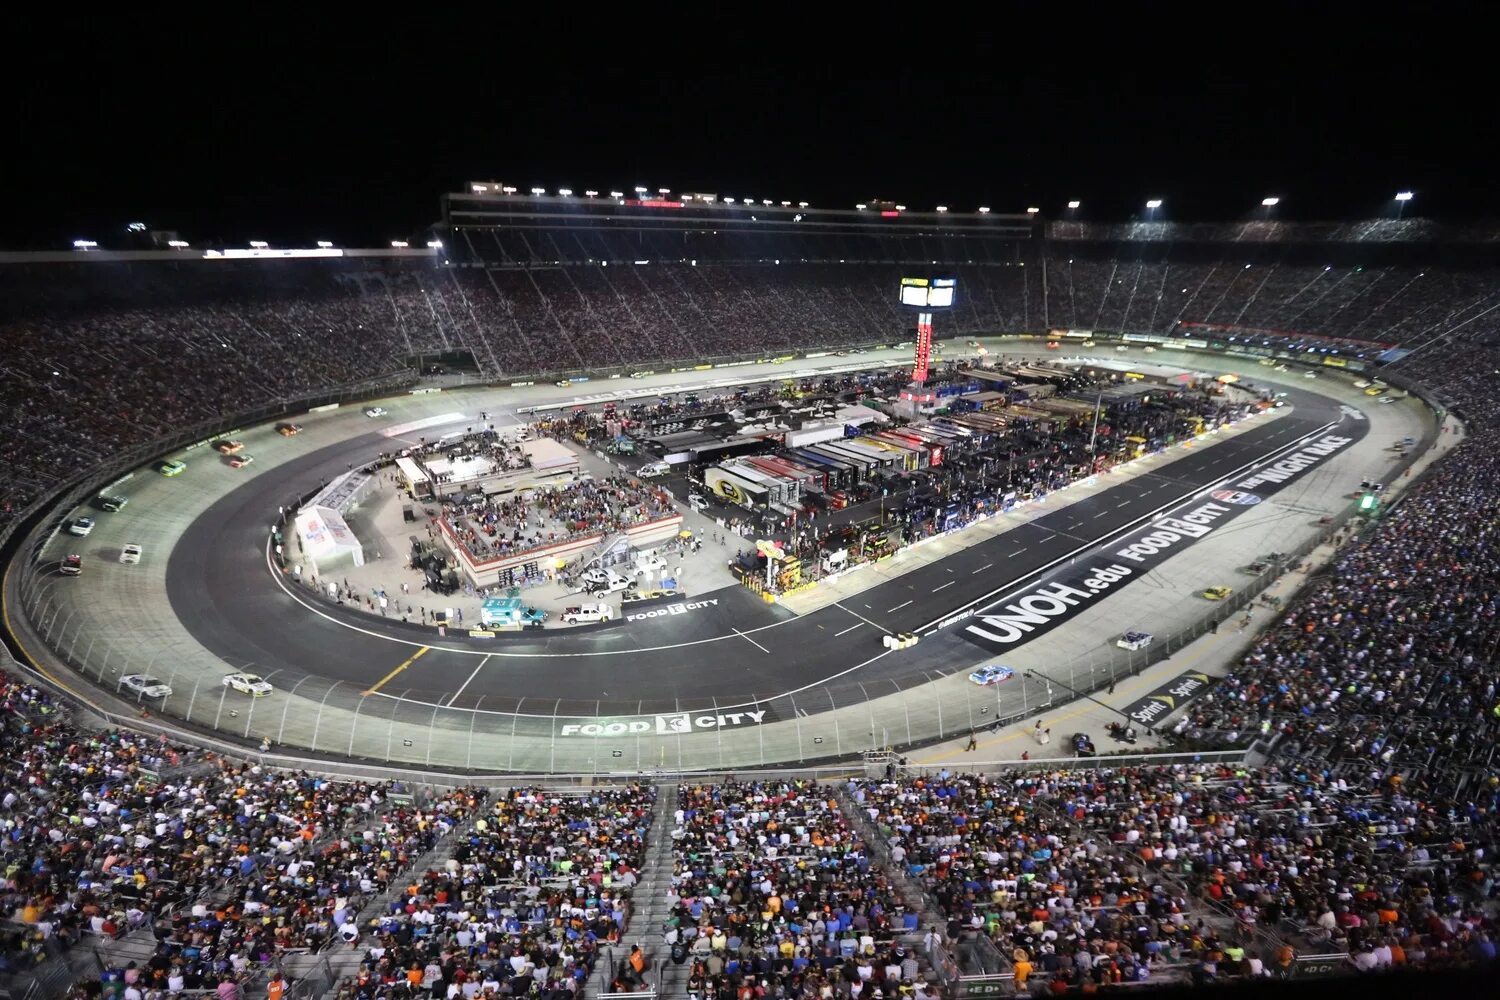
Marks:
<point>85,245</point>
<point>984,210</point>
<point>324,245</point>
<point>1402,197</point>
<point>1270,202</point>
<point>1153,205</point>
<point>1074,205</point>
<point>258,244</point>
<point>641,190</point>
<point>1033,211</point>
<point>399,244</point>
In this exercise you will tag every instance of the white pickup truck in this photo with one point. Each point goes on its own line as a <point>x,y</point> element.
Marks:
<point>582,613</point>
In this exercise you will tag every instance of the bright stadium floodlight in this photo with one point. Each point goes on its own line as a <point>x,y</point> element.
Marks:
<point>729,201</point>
<point>663,190</point>
<point>1154,204</point>
<point>942,208</point>
<point>135,227</point>
<point>860,208</point>
<point>1075,205</point>
<point>538,190</point>
<point>399,244</point>
<point>766,202</point>
<point>324,245</point>
<point>984,210</point>
<point>565,192</point>
<point>900,208</point>
<point>617,194</point>
<point>1403,196</point>
<point>507,189</point>
<point>786,204</point>
<point>641,190</point>
<point>177,244</point>
<point>85,245</point>
<point>591,194</point>
<point>801,204</point>
<point>258,244</point>
<point>1271,202</point>
<point>1033,211</point>
<point>434,244</point>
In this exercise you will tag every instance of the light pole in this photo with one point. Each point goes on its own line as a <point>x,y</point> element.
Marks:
<point>1098,405</point>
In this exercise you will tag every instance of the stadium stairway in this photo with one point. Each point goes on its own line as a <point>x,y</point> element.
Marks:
<point>921,911</point>
<point>343,961</point>
<point>649,912</point>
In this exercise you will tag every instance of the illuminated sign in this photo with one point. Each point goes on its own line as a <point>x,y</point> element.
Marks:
<point>924,347</point>
<point>653,203</point>
<point>928,293</point>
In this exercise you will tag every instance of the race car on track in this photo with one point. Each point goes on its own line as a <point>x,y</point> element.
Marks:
<point>145,686</point>
<point>71,566</point>
<point>130,554</point>
<point>111,502</point>
<point>288,430</point>
<point>563,383</point>
<point>240,461</point>
<point>1217,593</point>
<point>375,411</point>
<point>251,684</point>
<point>170,469</point>
<point>227,447</point>
<point>991,673</point>
<point>1256,568</point>
<point>1134,640</point>
<point>81,526</point>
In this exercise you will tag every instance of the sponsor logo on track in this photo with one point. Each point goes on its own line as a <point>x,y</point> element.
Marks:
<point>673,724</point>
<point>680,608</point>
<point>1044,607</point>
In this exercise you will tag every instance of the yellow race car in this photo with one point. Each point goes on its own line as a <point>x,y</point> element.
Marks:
<point>1217,593</point>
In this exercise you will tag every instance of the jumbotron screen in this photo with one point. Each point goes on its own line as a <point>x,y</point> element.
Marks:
<point>928,293</point>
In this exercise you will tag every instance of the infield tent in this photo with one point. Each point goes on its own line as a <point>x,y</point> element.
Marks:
<point>326,538</point>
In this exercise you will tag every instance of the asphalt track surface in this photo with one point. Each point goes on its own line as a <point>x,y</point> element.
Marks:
<point>738,651</point>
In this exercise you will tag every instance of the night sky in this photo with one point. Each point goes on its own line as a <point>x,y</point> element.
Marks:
<point>285,131</point>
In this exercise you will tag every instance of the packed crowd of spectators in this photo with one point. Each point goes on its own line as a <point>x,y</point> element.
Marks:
<point>1204,870</point>
<point>109,832</point>
<point>497,526</point>
<point>534,888</point>
<point>1001,859</point>
<point>773,884</point>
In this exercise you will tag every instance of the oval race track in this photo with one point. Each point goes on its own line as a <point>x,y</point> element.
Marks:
<point>739,657</point>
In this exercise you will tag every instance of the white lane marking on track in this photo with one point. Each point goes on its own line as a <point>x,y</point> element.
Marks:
<point>861,617</point>
<point>982,568</point>
<point>466,683</point>
<point>948,584</point>
<point>751,641</point>
<point>851,628</point>
<point>899,606</point>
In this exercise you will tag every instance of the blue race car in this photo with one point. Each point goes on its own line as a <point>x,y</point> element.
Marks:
<point>991,673</point>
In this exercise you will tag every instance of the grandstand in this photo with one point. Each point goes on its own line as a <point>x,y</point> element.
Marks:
<point>1368,832</point>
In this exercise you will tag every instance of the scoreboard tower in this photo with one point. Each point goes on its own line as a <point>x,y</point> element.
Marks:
<point>924,295</point>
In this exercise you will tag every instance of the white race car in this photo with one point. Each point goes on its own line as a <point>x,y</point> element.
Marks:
<point>991,673</point>
<point>1134,640</point>
<point>251,684</point>
<point>130,554</point>
<point>81,526</point>
<point>375,411</point>
<point>145,686</point>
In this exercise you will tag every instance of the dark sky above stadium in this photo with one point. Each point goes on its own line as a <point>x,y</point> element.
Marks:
<point>349,128</point>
